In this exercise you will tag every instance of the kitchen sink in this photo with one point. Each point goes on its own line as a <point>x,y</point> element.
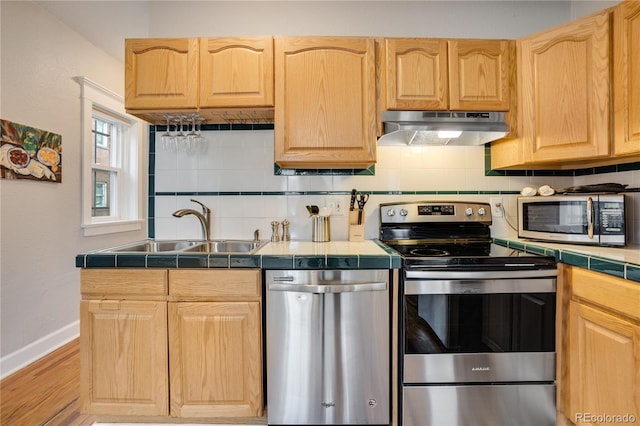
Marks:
<point>151,246</point>
<point>227,246</point>
<point>182,246</point>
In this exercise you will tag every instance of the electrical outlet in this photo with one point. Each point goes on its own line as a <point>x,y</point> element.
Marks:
<point>496,206</point>
<point>336,205</point>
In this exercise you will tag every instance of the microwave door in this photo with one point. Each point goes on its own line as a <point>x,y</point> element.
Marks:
<point>563,219</point>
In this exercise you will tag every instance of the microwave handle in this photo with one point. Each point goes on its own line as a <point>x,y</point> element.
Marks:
<point>590,217</point>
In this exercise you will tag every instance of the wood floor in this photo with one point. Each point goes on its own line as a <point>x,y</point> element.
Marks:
<point>45,393</point>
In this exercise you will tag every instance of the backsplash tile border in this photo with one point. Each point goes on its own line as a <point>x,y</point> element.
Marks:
<point>488,171</point>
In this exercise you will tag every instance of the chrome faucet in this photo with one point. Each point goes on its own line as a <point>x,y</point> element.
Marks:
<point>204,217</point>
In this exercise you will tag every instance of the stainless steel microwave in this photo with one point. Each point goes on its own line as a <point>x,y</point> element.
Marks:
<point>596,219</point>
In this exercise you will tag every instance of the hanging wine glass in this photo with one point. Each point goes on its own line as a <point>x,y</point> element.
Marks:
<point>180,135</point>
<point>202,147</point>
<point>200,121</point>
<point>166,137</point>
<point>192,135</point>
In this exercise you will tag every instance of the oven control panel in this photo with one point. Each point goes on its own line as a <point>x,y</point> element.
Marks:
<point>436,211</point>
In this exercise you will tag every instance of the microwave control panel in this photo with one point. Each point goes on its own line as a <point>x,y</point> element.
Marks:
<point>611,217</point>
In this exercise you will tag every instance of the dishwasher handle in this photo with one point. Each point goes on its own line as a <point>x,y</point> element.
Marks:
<point>326,288</point>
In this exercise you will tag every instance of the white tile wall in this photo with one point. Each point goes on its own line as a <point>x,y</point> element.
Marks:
<point>242,161</point>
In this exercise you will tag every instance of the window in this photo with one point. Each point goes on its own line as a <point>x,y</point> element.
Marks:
<point>112,179</point>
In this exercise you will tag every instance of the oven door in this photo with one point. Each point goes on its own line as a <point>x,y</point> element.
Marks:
<point>478,327</point>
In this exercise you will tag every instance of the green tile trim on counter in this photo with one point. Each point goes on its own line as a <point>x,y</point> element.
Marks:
<point>626,270</point>
<point>488,171</point>
<point>203,260</point>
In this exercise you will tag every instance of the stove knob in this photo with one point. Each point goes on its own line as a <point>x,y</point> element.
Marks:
<point>391,212</point>
<point>403,212</point>
<point>469,211</point>
<point>481,211</point>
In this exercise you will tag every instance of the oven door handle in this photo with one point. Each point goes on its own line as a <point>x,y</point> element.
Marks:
<point>535,285</point>
<point>477,275</point>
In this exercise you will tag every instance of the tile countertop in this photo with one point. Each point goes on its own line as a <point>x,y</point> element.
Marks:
<point>369,254</point>
<point>623,262</point>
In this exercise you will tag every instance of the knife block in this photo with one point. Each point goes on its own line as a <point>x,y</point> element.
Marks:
<point>356,225</point>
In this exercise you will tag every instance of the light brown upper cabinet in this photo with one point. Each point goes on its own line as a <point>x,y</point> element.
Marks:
<point>325,96</point>
<point>439,74</point>
<point>236,72</point>
<point>564,98</point>
<point>208,75</point>
<point>565,91</point>
<point>161,73</point>
<point>626,84</point>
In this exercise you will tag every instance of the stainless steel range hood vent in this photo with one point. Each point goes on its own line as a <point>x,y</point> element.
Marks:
<point>442,127</point>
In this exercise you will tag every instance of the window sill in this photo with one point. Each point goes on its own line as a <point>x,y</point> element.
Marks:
<point>93,229</point>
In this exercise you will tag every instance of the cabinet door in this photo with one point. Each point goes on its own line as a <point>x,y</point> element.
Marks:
<point>215,357</point>
<point>123,364</point>
<point>236,72</point>
<point>626,84</point>
<point>326,102</point>
<point>480,76</point>
<point>565,91</point>
<point>603,364</point>
<point>416,74</point>
<point>161,73</point>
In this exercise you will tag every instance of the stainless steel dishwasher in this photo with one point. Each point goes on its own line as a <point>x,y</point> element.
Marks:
<point>328,347</point>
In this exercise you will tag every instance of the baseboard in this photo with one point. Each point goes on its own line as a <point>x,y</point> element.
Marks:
<point>13,362</point>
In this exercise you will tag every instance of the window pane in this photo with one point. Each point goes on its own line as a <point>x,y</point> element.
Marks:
<point>103,142</point>
<point>102,193</point>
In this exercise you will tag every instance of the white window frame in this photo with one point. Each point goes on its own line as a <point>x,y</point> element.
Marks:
<point>131,187</point>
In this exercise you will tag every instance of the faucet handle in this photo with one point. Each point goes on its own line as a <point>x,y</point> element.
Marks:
<point>256,235</point>
<point>205,209</point>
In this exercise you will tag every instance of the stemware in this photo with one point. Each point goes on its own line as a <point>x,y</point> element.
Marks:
<point>180,135</point>
<point>166,137</point>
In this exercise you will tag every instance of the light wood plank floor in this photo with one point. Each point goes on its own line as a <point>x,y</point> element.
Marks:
<point>45,393</point>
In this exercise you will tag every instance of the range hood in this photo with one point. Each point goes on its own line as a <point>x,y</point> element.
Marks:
<point>442,127</point>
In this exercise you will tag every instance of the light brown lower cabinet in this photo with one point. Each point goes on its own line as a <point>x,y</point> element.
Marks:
<point>124,358</point>
<point>215,346</point>
<point>179,343</point>
<point>603,356</point>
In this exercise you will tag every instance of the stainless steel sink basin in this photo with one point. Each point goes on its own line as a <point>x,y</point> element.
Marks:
<point>227,246</point>
<point>151,246</point>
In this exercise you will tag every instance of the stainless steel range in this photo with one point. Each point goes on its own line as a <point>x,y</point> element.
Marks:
<point>477,320</point>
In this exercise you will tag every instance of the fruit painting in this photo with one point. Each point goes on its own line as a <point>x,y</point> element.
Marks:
<point>29,153</point>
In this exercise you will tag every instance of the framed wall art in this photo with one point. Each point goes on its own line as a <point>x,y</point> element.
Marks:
<point>29,153</point>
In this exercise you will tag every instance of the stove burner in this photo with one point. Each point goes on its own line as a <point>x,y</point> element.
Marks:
<point>431,252</point>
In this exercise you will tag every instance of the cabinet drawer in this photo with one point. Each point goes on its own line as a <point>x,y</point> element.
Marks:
<point>216,285</point>
<point>615,294</point>
<point>127,283</point>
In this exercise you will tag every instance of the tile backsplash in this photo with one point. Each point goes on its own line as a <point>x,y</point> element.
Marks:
<point>232,172</point>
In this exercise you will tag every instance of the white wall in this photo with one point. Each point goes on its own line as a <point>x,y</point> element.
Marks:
<point>40,222</point>
<point>481,19</point>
